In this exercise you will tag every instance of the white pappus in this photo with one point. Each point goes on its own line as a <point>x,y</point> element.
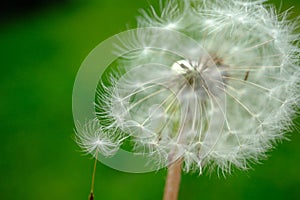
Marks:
<point>226,108</point>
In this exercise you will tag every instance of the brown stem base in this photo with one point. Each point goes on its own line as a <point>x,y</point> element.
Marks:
<point>91,197</point>
<point>173,181</point>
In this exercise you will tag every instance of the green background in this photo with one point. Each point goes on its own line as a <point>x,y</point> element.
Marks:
<point>40,54</point>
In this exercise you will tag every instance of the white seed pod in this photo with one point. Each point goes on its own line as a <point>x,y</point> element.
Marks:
<point>224,109</point>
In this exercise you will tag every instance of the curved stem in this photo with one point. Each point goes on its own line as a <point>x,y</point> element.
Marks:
<point>173,181</point>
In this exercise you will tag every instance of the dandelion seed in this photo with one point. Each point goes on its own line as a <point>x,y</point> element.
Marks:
<point>93,139</point>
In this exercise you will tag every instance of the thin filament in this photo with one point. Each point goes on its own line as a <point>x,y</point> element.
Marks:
<point>91,197</point>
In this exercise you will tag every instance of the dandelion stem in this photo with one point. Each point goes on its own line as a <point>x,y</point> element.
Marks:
<point>91,197</point>
<point>173,181</point>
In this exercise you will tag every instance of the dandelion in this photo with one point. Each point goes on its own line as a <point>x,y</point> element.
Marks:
<point>94,140</point>
<point>221,104</point>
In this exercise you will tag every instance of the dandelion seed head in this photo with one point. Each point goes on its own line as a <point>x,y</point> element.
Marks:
<point>222,106</point>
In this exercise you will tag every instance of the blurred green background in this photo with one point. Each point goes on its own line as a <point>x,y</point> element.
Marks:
<point>42,47</point>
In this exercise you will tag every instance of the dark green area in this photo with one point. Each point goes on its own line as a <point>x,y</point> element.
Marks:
<point>40,55</point>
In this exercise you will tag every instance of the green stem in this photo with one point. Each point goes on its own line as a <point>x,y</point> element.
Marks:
<point>91,197</point>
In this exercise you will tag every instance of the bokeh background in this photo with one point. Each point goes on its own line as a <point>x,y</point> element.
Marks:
<point>42,44</point>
